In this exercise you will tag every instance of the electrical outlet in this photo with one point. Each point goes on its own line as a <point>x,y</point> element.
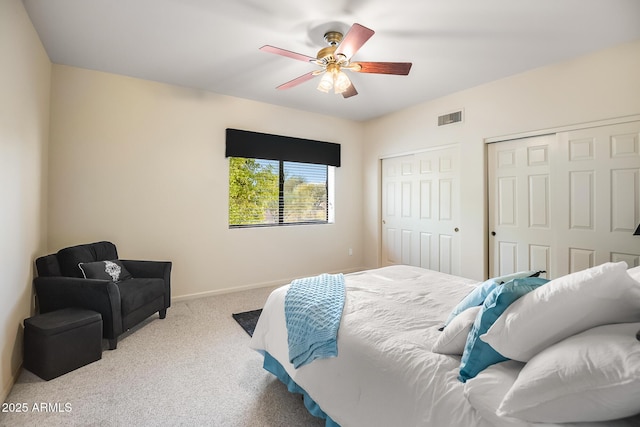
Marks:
<point>350,252</point>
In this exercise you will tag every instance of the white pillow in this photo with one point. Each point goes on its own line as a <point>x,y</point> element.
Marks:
<point>487,389</point>
<point>563,307</point>
<point>592,376</point>
<point>634,273</point>
<point>454,336</point>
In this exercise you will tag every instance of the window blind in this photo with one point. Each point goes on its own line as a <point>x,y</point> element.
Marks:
<point>304,193</point>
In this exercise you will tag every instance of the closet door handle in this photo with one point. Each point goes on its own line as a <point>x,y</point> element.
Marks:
<point>493,233</point>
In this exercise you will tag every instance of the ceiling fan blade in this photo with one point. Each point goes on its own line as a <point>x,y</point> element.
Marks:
<point>287,53</point>
<point>399,68</point>
<point>298,80</point>
<point>353,40</point>
<point>351,91</point>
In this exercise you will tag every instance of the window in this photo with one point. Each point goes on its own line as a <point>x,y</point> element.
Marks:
<point>276,192</point>
<point>277,180</point>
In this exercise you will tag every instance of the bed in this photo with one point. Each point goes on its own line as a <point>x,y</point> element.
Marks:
<point>385,372</point>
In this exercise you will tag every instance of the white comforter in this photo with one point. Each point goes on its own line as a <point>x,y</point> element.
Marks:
<point>385,373</point>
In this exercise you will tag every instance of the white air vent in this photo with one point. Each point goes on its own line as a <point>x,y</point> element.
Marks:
<point>447,119</point>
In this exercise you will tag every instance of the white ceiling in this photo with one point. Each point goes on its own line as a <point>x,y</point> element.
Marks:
<point>213,45</point>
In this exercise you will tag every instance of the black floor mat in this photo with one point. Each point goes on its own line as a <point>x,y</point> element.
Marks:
<point>248,320</point>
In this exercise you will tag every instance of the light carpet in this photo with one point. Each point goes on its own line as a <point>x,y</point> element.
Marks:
<point>193,368</point>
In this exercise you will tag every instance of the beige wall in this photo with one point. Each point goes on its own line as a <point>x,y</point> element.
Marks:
<point>595,87</point>
<point>142,164</point>
<point>24,128</point>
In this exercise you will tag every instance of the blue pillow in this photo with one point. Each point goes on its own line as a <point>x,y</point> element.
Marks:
<point>477,353</point>
<point>477,296</point>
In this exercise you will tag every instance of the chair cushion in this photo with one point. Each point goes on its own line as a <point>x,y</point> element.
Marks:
<point>48,266</point>
<point>69,258</point>
<point>134,293</point>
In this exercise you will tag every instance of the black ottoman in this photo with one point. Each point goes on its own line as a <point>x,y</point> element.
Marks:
<point>60,341</point>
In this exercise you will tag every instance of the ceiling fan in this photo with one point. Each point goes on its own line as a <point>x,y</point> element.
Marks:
<point>337,57</point>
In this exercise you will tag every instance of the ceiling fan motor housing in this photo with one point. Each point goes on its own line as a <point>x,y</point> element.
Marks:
<point>327,53</point>
<point>333,37</point>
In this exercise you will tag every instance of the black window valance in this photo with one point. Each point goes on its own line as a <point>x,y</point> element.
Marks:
<point>256,145</point>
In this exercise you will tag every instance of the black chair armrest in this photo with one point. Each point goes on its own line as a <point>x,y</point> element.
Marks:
<point>152,269</point>
<point>103,296</point>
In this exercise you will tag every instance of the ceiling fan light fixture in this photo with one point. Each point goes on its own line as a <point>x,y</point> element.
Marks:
<point>326,82</point>
<point>341,82</point>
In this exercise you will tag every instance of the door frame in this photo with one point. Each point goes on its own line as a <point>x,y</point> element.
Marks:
<point>567,128</point>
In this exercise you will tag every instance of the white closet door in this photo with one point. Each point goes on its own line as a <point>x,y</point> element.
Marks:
<point>565,202</point>
<point>420,210</point>
<point>520,209</point>
<point>599,172</point>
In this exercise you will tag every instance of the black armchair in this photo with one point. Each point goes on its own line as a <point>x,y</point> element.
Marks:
<point>124,301</point>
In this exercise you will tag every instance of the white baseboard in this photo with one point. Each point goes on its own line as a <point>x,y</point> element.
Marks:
<point>248,287</point>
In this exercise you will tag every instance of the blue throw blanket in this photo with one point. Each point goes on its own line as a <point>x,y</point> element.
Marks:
<point>313,308</point>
